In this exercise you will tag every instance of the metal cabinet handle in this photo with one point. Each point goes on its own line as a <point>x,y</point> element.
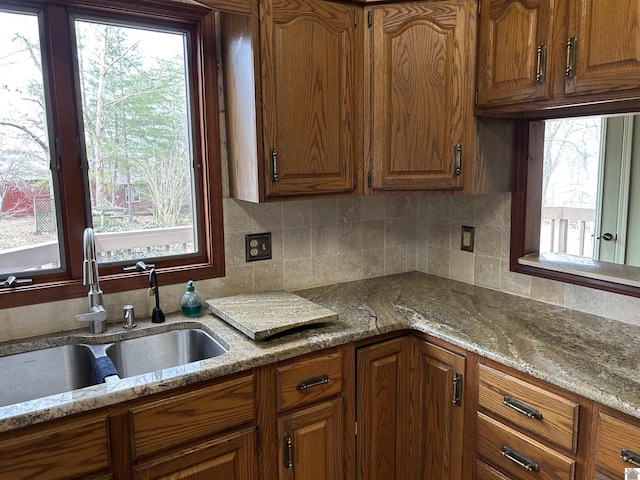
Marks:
<point>541,66</point>
<point>521,407</point>
<point>287,447</point>
<point>520,460</point>
<point>274,165</point>
<point>570,69</point>
<point>457,160</point>
<point>312,382</point>
<point>630,457</point>
<point>457,390</point>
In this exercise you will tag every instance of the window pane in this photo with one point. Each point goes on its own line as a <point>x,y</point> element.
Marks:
<point>28,225</point>
<point>135,104</point>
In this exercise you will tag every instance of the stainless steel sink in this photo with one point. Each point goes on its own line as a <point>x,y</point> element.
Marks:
<point>162,350</point>
<point>31,375</point>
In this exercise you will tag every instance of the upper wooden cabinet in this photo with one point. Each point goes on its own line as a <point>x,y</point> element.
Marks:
<point>292,128</point>
<point>512,46</point>
<point>419,94</point>
<point>537,54</point>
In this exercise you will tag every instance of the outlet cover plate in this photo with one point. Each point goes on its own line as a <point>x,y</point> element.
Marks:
<point>257,246</point>
<point>467,238</point>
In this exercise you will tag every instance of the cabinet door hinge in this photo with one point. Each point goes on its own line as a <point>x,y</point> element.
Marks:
<point>257,435</point>
<point>479,6</point>
<point>369,179</point>
<point>355,181</point>
<point>476,98</point>
<point>369,18</point>
<point>356,429</point>
<point>355,17</point>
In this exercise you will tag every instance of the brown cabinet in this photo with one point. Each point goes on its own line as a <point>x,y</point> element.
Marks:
<point>617,444</point>
<point>65,449</point>
<point>420,132</point>
<point>536,54</point>
<point>311,417</point>
<point>420,96</point>
<point>524,429</point>
<point>291,88</point>
<point>409,393</point>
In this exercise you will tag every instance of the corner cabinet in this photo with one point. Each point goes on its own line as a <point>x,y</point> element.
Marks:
<point>410,392</point>
<point>291,87</point>
<point>420,95</point>
<point>548,53</point>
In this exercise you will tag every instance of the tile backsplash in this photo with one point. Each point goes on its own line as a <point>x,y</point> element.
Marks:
<point>321,242</point>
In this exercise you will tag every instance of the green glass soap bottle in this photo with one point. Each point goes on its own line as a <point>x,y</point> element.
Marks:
<point>191,303</point>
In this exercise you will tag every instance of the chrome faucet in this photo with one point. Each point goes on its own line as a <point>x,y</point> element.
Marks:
<point>97,316</point>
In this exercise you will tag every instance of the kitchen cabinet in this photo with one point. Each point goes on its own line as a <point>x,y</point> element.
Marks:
<point>409,393</point>
<point>617,443</point>
<point>67,448</point>
<point>207,431</point>
<point>291,99</point>
<point>420,132</point>
<point>537,54</point>
<point>436,411</point>
<point>420,95</point>
<point>524,429</point>
<point>311,417</point>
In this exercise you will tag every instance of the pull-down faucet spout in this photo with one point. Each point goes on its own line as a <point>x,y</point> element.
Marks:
<point>97,315</point>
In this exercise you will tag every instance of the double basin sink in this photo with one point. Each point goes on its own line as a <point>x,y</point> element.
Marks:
<point>40,373</point>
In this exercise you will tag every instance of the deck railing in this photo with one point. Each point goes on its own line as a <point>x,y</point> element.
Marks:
<point>170,240</point>
<point>569,229</point>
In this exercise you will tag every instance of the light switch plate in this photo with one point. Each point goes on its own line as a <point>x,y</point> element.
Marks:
<point>257,246</point>
<point>467,238</point>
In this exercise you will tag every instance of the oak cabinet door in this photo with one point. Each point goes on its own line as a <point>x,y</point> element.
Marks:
<point>514,38</point>
<point>231,457</point>
<point>311,445</point>
<point>308,97</point>
<point>419,95</point>
<point>607,46</point>
<point>437,413</point>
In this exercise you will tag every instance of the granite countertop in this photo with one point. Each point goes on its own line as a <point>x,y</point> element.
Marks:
<point>586,354</point>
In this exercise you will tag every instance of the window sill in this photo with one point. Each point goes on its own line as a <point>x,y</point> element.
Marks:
<point>583,267</point>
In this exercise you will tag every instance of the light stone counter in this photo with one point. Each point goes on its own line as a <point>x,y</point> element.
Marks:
<point>586,354</point>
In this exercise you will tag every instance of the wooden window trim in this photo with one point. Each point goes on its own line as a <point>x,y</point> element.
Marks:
<point>66,283</point>
<point>526,204</point>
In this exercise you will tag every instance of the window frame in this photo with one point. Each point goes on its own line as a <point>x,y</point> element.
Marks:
<point>60,68</point>
<point>526,204</point>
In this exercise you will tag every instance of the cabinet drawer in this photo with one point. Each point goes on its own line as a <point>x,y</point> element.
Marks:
<point>71,449</point>
<point>614,436</point>
<point>495,438</point>
<point>485,472</point>
<point>548,415</point>
<point>175,420</point>
<point>305,381</point>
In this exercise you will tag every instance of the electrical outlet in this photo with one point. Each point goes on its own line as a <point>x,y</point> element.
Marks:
<point>257,246</point>
<point>467,238</point>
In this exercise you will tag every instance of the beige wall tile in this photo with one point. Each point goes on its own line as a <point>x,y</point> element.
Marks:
<point>622,307</point>
<point>268,275</point>
<point>395,207</point>
<point>349,209</point>
<point>438,261</point>
<point>422,257</point>
<point>412,257</point>
<point>373,234</point>
<point>423,205</point>
<point>349,266</point>
<point>267,217</point>
<point>440,207</point>
<point>325,269</point>
<point>237,216</point>
<point>513,282</point>
<point>27,322</point>
<point>324,239</point>
<point>349,237</point>
<point>372,208</point>
<point>237,281</point>
<point>548,291</point>
<point>395,260</point>
<point>5,325</point>
<point>373,263</point>
<point>584,299</point>
<point>296,243</point>
<point>489,210</point>
<point>234,249</point>
<point>488,240</point>
<point>298,273</point>
<point>323,211</point>
<point>463,208</point>
<point>439,233</point>
<point>395,232</point>
<point>487,271</point>
<point>296,214</point>
<point>461,266</point>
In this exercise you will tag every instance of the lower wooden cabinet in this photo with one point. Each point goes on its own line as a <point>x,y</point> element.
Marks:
<point>230,457</point>
<point>617,444</point>
<point>311,443</point>
<point>410,411</point>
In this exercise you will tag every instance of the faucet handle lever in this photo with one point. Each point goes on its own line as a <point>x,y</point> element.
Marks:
<point>97,317</point>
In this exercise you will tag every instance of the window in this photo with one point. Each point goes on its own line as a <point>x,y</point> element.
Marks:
<point>106,114</point>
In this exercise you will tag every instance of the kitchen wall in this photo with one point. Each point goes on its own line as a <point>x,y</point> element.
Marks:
<point>321,242</point>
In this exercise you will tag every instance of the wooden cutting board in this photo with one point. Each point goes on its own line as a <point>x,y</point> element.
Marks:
<point>264,314</point>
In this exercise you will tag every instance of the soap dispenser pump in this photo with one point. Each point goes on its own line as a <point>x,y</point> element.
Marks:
<point>191,302</point>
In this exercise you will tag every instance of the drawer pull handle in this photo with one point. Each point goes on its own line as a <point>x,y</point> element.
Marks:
<point>287,444</point>
<point>520,460</point>
<point>522,408</point>
<point>630,457</point>
<point>312,382</point>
